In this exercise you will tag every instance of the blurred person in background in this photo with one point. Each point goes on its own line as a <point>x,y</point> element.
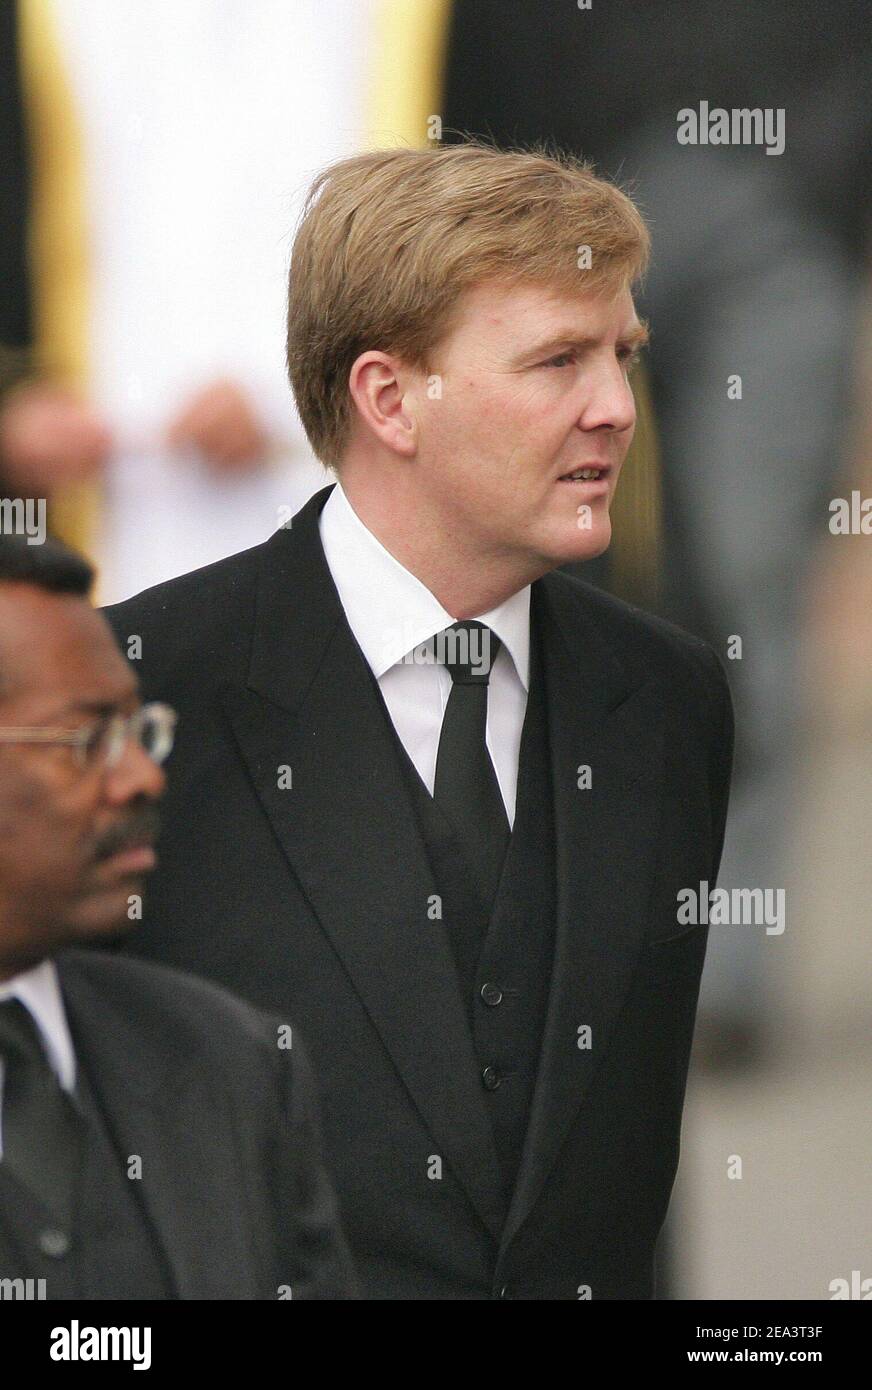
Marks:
<point>49,437</point>
<point>156,156</point>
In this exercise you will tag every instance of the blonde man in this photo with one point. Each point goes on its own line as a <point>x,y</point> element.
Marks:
<point>432,797</point>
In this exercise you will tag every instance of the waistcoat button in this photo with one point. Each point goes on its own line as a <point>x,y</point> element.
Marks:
<point>491,995</point>
<point>54,1243</point>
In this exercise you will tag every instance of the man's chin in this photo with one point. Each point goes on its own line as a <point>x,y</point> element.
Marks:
<point>109,912</point>
<point>575,544</point>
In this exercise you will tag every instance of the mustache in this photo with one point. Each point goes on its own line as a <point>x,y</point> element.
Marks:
<point>140,828</point>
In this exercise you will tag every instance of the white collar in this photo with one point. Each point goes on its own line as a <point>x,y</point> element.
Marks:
<point>388,609</point>
<point>40,992</point>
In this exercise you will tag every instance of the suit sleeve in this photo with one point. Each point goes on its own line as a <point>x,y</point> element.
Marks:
<point>314,1258</point>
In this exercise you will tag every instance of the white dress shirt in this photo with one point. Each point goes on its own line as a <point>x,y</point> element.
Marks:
<point>39,991</point>
<point>391,614</point>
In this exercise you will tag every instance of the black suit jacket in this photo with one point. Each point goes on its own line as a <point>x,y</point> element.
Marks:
<point>193,1081</point>
<point>311,899</point>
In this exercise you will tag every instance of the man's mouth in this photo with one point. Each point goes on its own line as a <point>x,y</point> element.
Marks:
<point>129,845</point>
<point>133,860</point>
<point>585,475</point>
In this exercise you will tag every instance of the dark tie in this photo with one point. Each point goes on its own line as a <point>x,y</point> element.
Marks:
<point>466,788</point>
<point>41,1127</point>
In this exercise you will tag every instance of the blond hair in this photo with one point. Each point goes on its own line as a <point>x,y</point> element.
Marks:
<point>389,241</point>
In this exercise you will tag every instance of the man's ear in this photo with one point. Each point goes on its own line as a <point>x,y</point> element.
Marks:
<point>378,383</point>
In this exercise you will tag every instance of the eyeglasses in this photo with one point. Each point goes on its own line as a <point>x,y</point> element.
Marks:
<point>101,744</point>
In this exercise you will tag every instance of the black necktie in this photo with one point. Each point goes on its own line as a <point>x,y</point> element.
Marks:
<point>466,787</point>
<point>41,1127</point>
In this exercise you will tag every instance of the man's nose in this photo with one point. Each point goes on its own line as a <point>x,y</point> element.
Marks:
<point>609,403</point>
<point>135,775</point>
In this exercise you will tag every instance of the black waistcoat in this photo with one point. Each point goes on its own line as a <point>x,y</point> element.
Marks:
<point>503,951</point>
<point>111,1251</point>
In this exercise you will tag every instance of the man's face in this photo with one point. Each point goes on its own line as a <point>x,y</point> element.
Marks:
<point>534,388</point>
<point>74,842</point>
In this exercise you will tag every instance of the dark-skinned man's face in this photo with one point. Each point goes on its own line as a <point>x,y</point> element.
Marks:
<point>75,842</point>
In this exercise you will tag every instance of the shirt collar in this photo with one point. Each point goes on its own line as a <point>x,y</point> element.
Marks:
<point>39,991</point>
<point>388,609</point>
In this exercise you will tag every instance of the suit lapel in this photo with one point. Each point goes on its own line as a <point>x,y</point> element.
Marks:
<point>158,1107</point>
<point>601,716</point>
<point>345,825</point>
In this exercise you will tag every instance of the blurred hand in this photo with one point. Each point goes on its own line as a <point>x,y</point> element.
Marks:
<point>220,422</point>
<point>48,437</point>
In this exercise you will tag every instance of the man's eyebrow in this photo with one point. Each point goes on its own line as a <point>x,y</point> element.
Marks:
<point>98,708</point>
<point>635,338</point>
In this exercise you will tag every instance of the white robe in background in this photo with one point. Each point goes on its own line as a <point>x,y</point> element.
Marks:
<point>203,122</point>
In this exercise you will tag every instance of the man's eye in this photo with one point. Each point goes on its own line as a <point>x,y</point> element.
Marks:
<point>628,359</point>
<point>96,737</point>
<point>560,360</point>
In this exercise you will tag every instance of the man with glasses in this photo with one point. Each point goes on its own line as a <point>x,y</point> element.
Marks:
<point>157,1137</point>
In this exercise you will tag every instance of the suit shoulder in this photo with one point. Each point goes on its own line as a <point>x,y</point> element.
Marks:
<point>192,628</point>
<point>190,1011</point>
<point>643,640</point>
<point>201,595</point>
